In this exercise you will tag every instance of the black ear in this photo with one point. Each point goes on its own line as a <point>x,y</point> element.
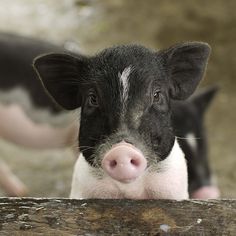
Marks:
<point>185,66</point>
<point>61,75</point>
<point>202,99</point>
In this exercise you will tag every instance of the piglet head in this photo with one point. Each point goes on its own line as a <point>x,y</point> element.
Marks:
<point>124,93</point>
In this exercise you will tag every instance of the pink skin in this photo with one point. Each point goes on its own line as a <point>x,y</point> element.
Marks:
<point>16,127</point>
<point>124,162</point>
<point>10,183</point>
<point>206,192</point>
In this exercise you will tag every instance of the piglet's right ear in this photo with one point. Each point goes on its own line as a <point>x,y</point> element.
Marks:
<point>61,75</point>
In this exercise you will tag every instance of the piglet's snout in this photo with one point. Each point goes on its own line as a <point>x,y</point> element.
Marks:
<point>124,162</point>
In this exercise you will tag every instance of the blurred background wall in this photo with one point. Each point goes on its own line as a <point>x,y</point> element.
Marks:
<point>95,24</point>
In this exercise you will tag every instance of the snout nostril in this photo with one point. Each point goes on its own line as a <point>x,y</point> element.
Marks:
<point>134,162</point>
<point>113,163</point>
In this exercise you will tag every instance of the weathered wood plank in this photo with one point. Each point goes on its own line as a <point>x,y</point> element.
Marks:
<point>30,216</point>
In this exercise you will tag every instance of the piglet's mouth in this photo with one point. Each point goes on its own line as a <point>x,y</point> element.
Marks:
<point>124,162</point>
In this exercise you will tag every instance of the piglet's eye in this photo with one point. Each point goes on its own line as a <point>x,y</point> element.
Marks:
<point>157,96</point>
<point>92,100</point>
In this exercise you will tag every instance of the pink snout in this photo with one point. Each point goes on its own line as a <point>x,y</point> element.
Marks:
<point>124,162</point>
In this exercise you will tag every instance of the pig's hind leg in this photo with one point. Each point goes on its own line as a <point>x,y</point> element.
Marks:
<point>10,183</point>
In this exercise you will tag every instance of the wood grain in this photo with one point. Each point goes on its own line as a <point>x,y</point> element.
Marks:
<point>31,216</point>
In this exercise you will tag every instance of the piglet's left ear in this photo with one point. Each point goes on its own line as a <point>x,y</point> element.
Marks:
<point>62,75</point>
<point>185,65</point>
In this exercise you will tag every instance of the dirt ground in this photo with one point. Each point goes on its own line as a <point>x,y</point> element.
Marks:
<point>158,24</point>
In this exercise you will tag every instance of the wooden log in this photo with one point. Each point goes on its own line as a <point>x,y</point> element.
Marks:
<point>30,216</point>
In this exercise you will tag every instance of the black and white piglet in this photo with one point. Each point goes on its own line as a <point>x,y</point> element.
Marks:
<point>128,148</point>
<point>189,127</point>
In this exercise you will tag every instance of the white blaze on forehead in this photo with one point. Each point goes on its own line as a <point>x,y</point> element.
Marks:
<point>191,140</point>
<point>124,80</point>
